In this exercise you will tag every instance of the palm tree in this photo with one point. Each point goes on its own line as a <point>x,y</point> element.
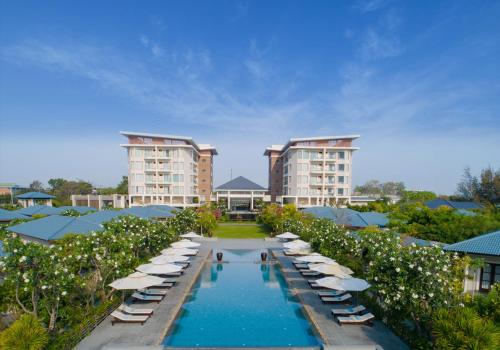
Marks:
<point>27,333</point>
<point>463,328</point>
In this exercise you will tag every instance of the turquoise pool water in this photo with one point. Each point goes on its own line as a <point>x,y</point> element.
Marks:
<point>241,303</point>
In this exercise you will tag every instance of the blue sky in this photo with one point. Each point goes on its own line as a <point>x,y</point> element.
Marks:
<point>420,81</point>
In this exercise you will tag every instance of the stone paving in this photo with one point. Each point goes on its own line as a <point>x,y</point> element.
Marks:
<point>151,334</point>
<point>319,314</point>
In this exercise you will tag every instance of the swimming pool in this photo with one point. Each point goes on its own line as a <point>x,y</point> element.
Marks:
<point>241,303</point>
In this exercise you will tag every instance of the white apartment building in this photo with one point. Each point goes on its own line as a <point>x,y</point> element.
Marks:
<point>312,171</point>
<point>167,169</point>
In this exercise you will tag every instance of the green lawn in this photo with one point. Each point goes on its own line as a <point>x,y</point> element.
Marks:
<point>241,231</point>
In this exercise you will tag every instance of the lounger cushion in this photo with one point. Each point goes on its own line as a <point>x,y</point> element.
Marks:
<point>348,310</point>
<point>128,318</point>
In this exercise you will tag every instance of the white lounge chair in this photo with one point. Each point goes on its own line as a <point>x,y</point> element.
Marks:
<point>348,310</point>
<point>152,291</point>
<point>330,293</point>
<point>314,285</point>
<point>362,319</point>
<point>340,299</point>
<point>129,310</point>
<point>165,285</point>
<point>309,273</point>
<point>119,316</point>
<point>143,297</point>
<point>173,274</point>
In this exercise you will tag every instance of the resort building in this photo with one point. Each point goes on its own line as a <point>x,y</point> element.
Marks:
<point>100,201</point>
<point>241,195</point>
<point>348,217</point>
<point>30,199</point>
<point>168,170</point>
<point>487,248</point>
<point>311,171</point>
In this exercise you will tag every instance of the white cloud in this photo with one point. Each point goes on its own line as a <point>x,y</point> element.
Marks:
<point>370,5</point>
<point>376,46</point>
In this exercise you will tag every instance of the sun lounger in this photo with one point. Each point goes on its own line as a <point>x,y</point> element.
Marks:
<point>309,273</point>
<point>330,293</point>
<point>170,280</point>
<point>184,265</point>
<point>143,297</point>
<point>165,285</point>
<point>152,291</point>
<point>129,310</point>
<point>348,310</point>
<point>362,319</point>
<point>173,274</point>
<point>314,285</point>
<point>119,316</point>
<point>340,299</point>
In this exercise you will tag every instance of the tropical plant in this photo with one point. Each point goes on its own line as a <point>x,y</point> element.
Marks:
<point>463,328</point>
<point>26,333</point>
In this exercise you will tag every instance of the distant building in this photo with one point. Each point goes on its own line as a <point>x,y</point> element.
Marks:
<point>311,171</point>
<point>439,202</point>
<point>30,199</point>
<point>8,188</point>
<point>166,169</point>
<point>241,194</point>
<point>362,200</point>
<point>486,247</point>
<point>100,201</point>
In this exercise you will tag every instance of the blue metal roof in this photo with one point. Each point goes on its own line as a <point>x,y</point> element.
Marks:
<point>35,195</point>
<point>488,244</point>
<point>102,216</point>
<point>54,227</point>
<point>9,215</point>
<point>39,209</point>
<point>242,184</point>
<point>166,208</point>
<point>147,212</point>
<point>349,217</point>
<point>78,208</point>
<point>2,253</point>
<point>438,202</point>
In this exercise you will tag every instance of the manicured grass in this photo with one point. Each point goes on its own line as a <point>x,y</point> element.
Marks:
<point>241,231</point>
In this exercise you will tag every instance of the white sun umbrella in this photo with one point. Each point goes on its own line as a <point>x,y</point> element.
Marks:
<point>315,258</point>
<point>287,235</point>
<point>136,280</point>
<point>350,284</point>
<point>191,235</point>
<point>167,259</point>
<point>335,270</point>
<point>179,251</point>
<point>158,269</point>
<point>298,244</point>
<point>299,251</point>
<point>185,243</point>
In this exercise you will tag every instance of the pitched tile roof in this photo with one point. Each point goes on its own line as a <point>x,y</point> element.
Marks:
<point>487,244</point>
<point>349,217</point>
<point>241,183</point>
<point>39,209</point>
<point>8,215</point>
<point>54,227</point>
<point>438,202</point>
<point>35,195</point>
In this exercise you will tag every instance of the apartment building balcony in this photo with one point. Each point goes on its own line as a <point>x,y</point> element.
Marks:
<point>150,180</point>
<point>164,169</point>
<point>164,181</point>
<point>151,155</point>
<point>316,170</point>
<point>329,183</point>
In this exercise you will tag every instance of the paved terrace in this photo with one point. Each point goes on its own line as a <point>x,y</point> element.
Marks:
<point>319,314</point>
<point>151,334</point>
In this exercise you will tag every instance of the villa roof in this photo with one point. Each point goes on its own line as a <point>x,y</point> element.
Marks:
<point>349,217</point>
<point>54,227</point>
<point>8,215</point>
<point>35,195</point>
<point>487,244</point>
<point>39,209</point>
<point>241,184</point>
<point>148,212</point>
<point>78,208</point>
<point>189,140</point>
<point>8,185</point>
<point>438,202</point>
<point>102,216</point>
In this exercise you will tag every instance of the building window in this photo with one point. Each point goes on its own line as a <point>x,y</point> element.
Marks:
<point>340,191</point>
<point>490,274</point>
<point>341,167</point>
<point>341,179</point>
<point>341,155</point>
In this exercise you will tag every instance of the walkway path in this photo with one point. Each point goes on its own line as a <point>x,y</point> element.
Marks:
<point>320,315</point>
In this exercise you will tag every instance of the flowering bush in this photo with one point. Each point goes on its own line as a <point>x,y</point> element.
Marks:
<point>50,281</point>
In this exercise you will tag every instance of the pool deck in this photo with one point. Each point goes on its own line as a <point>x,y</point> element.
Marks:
<point>150,335</point>
<point>334,335</point>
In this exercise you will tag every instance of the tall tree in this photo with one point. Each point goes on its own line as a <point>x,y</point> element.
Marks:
<point>468,186</point>
<point>122,187</point>
<point>36,186</point>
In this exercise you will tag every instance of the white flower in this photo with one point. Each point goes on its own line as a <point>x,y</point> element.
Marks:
<point>398,269</point>
<point>63,293</point>
<point>414,295</point>
<point>44,287</point>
